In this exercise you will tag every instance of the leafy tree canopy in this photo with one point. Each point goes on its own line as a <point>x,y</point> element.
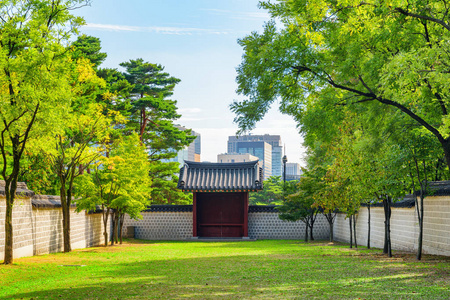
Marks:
<point>329,53</point>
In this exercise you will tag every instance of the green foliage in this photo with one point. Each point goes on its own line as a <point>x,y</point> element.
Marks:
<point>88,47</point>
<point>299,205</point>
<point>152,113</point>
<point>164,184</point>
<point>38,174</point>
<point>273,193</point>
<point>152,117</point>
<point>366,57</point>
<point>116,92</point>
<point>119,179</point>
<point>35,89</point>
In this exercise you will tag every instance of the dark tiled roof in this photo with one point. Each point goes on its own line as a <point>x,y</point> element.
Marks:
<point>188,208</point>
<point>438,188</point>
<point>408,201</point>
<point>21,191</point>
<point>47,201</point>
<point>169,208</point>
<point>220,177</point>
<point>262,208</point>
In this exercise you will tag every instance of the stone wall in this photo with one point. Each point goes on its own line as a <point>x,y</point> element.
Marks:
<point>161,226</point>
<point>37,227</point>
<point>404,227</point>
<point>436,224</point>
<point>86,230</point>
<point>267,225</point>
<point>175,223</point>
<point>22,227</point>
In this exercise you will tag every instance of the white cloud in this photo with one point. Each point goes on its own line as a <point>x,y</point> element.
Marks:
<point>240,14</point>
<point>153,29</point>
<point>184,119</point>
<point>188,111</point>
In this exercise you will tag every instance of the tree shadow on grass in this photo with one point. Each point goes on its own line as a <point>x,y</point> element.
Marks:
<point>276,275</point>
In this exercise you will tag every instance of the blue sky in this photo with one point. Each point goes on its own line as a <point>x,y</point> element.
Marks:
<point>196,41</point>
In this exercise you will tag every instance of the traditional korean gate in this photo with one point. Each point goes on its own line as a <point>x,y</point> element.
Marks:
<point>220,214</point>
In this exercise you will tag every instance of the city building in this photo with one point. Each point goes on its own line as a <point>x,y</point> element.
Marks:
<point>262,150</point>
<point>293,171</point>
<point>189,153</point>
<point>273,140</point>
<point>235,157</point>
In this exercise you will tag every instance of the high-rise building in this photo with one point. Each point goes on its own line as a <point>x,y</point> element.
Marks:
<point>293,171</point>
<point>235,157</point>
<point>189,153</point>
<point>262,150</point>
<point>273,140</point>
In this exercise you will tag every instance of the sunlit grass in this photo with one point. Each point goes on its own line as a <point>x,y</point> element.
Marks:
<point>249,270</point>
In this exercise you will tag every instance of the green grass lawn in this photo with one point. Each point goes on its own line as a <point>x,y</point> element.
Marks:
<point>250,270</point>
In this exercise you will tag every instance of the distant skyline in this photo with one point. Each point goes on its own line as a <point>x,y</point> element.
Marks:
<point>195,41</point>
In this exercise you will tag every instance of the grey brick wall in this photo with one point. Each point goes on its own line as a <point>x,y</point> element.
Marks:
<point>267,225</point>
<point>262,225</point>
<point>161,226</point>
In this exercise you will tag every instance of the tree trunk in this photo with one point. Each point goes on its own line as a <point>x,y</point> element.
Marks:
<point>312,220</point>
<point>115,227</point>
<point>66,229</point>
<point>385,246</point>
<point>387,228</point>
<point>306,230</point>
<point>330,219</point>
<point>8,255</point>
<point>331,230</point>
<point>354,230</point>
<point>368,226</point>
<point>351,232</point>
<point>121,220</point>
<point>446,147</point>
<point>18,147</point>
<point>420,217</point>
<point>10,195</point>
<point>105,215</point>
<point>65,206</point>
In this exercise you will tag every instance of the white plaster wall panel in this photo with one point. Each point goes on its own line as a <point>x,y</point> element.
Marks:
<point>22,229</point>
<point>48,230</point>
<point>77,226</point>
<point>404,227</point>
<point>94,229</point>
<point>436,238</point>
<point>48,223</point>
<point>342,228</point>
<point>86,229</point>
<point>40,231</point>
<point>22,224</point>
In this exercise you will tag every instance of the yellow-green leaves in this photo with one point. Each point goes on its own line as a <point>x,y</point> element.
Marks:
<point>119,179</point>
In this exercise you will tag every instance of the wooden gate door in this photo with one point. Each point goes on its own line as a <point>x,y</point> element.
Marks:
<point>220,214</point>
